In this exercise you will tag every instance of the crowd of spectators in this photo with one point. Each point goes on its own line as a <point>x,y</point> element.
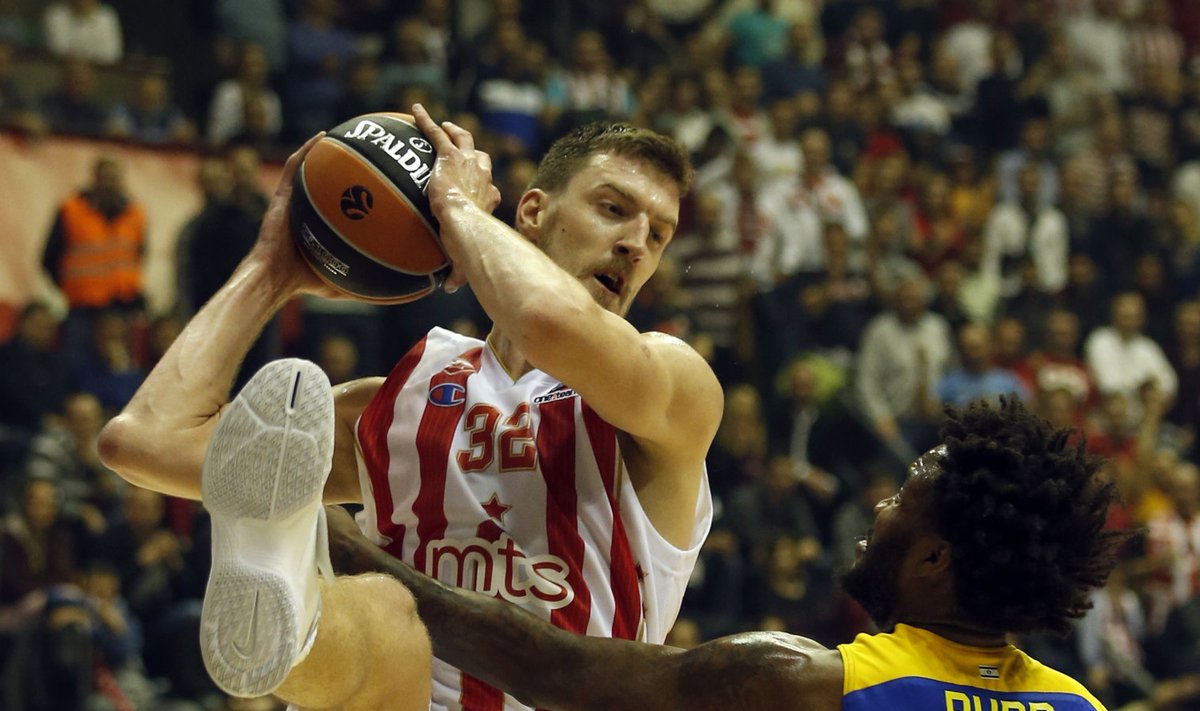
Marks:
<point>899,204</point>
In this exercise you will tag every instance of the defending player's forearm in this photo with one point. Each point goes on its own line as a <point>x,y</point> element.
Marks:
<point>540,665</point>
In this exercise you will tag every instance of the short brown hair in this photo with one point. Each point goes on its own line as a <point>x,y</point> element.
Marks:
<point>568,153</point>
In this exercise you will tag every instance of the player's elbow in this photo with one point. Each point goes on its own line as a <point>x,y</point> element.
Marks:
<point>117,448</point>
<point>113,443</point>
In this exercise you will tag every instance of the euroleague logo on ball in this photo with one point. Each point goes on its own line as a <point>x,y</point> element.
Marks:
<point>421,144</point>
<point>356,202</point>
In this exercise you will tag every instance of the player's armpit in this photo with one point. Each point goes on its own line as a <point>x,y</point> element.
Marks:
<point>350,399</point>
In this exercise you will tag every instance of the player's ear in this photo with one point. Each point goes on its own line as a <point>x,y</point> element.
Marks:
<point>936,556</point>
<point>531,214</point>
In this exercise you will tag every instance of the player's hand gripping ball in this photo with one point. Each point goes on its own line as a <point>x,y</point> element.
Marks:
<point>359,212</point>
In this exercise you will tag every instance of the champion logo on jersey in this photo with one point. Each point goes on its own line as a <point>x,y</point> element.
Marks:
<point>447,394</point>
<point>989,671</point>
<point>559,392</point>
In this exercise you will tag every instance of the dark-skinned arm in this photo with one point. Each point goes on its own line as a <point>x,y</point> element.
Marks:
<point>546,667</point>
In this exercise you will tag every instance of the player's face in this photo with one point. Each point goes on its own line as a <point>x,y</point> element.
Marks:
<point>609,226</point>
<point>876,577</point>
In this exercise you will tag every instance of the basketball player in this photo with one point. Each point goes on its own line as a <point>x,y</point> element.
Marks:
<point>998,530</point>
<point>559,465</point>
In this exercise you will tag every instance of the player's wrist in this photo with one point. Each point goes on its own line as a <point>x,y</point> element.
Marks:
<point>460,221</point>
<point>271,283</point>
<point>458,207</point>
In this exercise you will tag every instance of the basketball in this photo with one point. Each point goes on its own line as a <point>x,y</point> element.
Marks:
<point>359,212</point>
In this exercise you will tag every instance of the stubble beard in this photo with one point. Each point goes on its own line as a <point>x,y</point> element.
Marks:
<point>872,581</point>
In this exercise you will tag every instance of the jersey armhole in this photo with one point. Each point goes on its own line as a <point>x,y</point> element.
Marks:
<point>847,667</point>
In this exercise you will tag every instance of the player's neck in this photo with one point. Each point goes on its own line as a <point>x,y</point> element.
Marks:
<point>511,359</point>
<point>959,632</point>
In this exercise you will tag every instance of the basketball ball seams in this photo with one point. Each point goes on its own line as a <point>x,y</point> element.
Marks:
<point>359,213</point>
<point>373,237</point>
<point>324,221</point>
<point>390,150</point>
<point>373,281</point>
<point>423,214</point>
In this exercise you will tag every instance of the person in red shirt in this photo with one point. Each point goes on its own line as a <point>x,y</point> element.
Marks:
<point>1057,366</point>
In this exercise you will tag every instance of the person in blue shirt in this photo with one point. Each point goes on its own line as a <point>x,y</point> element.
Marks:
<point>977,377</point>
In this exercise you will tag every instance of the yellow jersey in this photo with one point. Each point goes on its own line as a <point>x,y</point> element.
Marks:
<point>912,668</point>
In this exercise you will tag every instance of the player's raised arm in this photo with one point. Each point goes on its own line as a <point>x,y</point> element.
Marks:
<point>158,439</point>
<point>591,232</point>
<point>545,667</point>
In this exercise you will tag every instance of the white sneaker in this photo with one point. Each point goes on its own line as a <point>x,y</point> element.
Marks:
<point>264,474</point>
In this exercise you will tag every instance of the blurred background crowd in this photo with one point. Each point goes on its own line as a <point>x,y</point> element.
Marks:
<point>899,204</point>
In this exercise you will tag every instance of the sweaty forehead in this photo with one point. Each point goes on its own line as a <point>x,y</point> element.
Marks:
<point>636,176</point>
<point>926,468</point>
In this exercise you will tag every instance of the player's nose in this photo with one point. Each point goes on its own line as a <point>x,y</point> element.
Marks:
<point>634,240</point>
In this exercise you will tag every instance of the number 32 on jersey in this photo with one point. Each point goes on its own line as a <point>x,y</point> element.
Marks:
<point>490,433</point>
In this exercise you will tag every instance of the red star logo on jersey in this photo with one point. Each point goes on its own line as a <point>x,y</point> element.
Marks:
<point>459,366</point>
<point>495,509</point>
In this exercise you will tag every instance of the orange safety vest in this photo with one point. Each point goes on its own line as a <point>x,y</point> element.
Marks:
<point>101,263</point>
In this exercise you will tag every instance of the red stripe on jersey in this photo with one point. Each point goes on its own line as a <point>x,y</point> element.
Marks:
<point>435,434</point>
<point>373,428</point>
<point>623,574</point>
<point>556,455</point>
<point>478,695</point>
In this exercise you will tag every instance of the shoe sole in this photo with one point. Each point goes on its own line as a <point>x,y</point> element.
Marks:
<point>264,473</point>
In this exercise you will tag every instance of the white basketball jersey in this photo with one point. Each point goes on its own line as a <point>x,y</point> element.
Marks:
<point>516,490</point>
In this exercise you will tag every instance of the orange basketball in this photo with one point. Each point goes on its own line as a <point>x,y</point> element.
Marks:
<point>359,212</point>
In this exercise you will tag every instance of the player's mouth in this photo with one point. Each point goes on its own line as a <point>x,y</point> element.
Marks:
<point>613,282</point>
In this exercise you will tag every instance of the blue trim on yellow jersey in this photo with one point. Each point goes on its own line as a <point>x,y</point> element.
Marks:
<point>912,668</point>
<point>912,692</point>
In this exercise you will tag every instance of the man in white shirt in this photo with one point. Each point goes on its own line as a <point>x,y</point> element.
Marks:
<point>1026,230</point>
<point>970,42</point>
<point>1123,359</point>
<point>919,110</point>
<point>792,240</point>
<point>797,210</point>
<point>83,29</point>
<point>1101,40</point>
<point>905,352</point>
<point>777,154</point>
<point>834,196</point>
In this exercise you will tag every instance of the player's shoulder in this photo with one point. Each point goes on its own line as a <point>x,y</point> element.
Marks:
<point>1045,678</point>
<point>702,397</point>
<point>439,337</point>
<point>658,339</point>
<point>440,350</point>
<point>677,352</point>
